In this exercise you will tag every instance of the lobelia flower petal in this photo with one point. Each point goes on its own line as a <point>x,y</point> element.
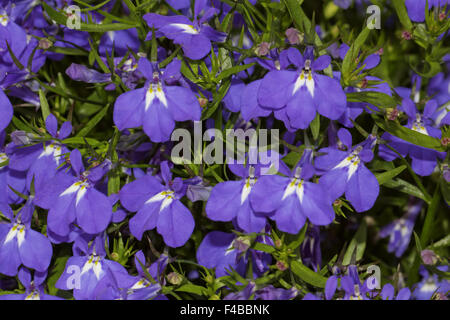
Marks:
<point>175,224</point>
<point>213,248</point>
<point>329,97</point>
<point>335,182</point>
<point>224,200</point>
<point>76,161</point>
<point>6,110</point>
<point>61,214</point>
<point>289,216</point>
<point>196,46</point>
<point>134,194</point>
<point>182,103</point>
<point>158,123</point>
<point>9,256</point>
<point>267,193</point>
<point>301,109</point>
<point>316,204</point>
<point>36,251</point>
<point>145,219</point>
<point>250,107</point>
<point>93,211</point>
<point>51,124</point>
<point>65,130</point>
<point>321,63</point>
<point>423,160</point>
<point>129,109</point>
<point>249,220</point>
<point>276,89</point>
<point>330,287</point>
<point>362,189</point>
<point>387,293</point>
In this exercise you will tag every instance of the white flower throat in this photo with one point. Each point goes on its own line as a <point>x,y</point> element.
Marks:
<point>418,125</point>
<point>165,197</point>
<point>295,186</point>
<point>351,162</point>
<point>249,183</point>
<point>155,91</point>
<point>305,78</point>
<point>16,232</point>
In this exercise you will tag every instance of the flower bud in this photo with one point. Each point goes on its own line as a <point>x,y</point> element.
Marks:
<point>174,278</point>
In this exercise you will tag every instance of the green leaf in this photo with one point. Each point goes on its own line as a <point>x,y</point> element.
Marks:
<point>81,140</point>
<point>89,27</point>
<point>350,62</point>
<point>402,14</point>
<point>443,243</point>
<point>44,105</point>
<point>409,135</point>
<point>292,158</point>
<point>405,187</point>
<point>389,175</point>
<point>430,218</point>
<point>308,275</point>
<point>315,126</point>
<point>357,245</point>
<point>263,247</point>
<point>375,98</point>
<point>301,236</point>
<point>192,288</point>
<point>236,69</point>
<point>296,12</point>
<point>93,122</point>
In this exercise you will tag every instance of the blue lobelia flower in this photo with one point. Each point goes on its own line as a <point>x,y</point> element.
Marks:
<point>400,230</point>
<point>229,200</point>
<point>292,200</point>
<point>271,293</point>
<point>142,288</point>
<point>416,8</point>
<point>10,178</point>
<point>424,160</point>
<point>21,245</point>
<point>249,105</point>
<point>354,109</point>
<point>71,197</point>
<point>34,289</point>
<point>159,206</point>
<point>431,286</point>
<point>303,92</point>
<point>225,251</point>
<point>158,104</point>
<point>42,160</point>
<point>346,172</point>
<point>6,110</point>
<point>120,40</point>
<point>194,36</point>
<point>88,267</point>
<point>388,293</point>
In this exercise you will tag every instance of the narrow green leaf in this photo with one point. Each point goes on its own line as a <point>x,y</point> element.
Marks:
<point>233,70</point>
<point>430,219</point>
<point>357,244</point>
<point>402,14</point>
<point>389,175</point>
<point>263,247</point>
<point>44,105</point>
<point>409,135</point>
<point>308,275</point>
<point>375,98</point>
<point>61,18</point>
<point>405,187</point>
<point>192,288</point>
